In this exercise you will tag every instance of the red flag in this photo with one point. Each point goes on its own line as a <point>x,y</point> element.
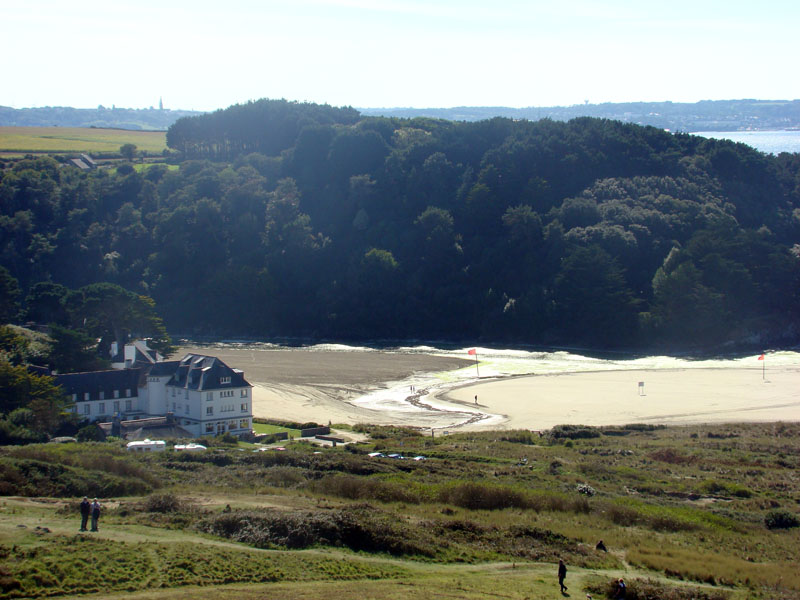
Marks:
<point>761,357</point>
<point>473,351</point>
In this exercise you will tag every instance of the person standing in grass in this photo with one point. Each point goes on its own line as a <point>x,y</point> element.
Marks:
<point>86,508</point>
<point>95,514</point>
<point>562,573</point>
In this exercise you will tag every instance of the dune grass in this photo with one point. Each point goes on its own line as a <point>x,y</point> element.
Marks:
<point>679,509</point>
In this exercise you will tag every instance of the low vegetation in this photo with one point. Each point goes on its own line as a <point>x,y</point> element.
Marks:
<point>693,512</point>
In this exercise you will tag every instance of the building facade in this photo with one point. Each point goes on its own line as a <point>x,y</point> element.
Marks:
<point>200,393</point>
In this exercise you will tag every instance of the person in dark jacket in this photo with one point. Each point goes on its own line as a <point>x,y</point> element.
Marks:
<point>95,514</point>
<point>562,573</point>
<point>86,508</point>
<point>621,590</point>
<point>601,546</point>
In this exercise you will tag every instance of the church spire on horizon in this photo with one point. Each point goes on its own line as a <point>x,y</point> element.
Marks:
<point>160,103</point>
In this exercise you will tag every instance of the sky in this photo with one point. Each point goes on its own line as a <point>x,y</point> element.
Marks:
<point>204,55</point>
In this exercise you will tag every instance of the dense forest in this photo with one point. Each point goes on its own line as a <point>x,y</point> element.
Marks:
<point>290,219</point>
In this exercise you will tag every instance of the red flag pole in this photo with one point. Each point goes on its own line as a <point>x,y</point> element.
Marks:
<point>475,352</point>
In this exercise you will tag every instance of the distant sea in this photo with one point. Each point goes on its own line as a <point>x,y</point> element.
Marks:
<point>771,142</point>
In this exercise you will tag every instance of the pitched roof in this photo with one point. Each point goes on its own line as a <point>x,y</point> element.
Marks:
<point>101,381</point>
<point>162,369</point>
<point>199,372</point>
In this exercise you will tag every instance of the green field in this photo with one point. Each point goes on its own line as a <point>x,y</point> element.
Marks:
<point>64,140</point>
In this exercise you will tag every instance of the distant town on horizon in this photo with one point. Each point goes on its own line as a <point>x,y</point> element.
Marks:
<point>706,115</point>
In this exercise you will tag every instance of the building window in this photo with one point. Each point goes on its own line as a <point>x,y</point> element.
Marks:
<point>187,409</point>
<point>74,397</point>
<point>128,392</point>
<point>86,409</point>
<point>128,405</point>
<point>220,428</point>
<point>244,393</point>
<point>116,393</point>
<point>209,396</point>
<point>209,428</point>
<point>244,424</point>
<point>86,395</point>
<point>173,407</point>
<point>224,380</point>
<point>244,406</point>
<point>173,392</point>
<point>116,406</point>
<point>209,410</point>
<point>102,396</point>
<point>226,394</point>
<point>102,408</point>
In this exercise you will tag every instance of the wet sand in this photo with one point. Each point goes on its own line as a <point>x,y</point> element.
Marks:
<point>319,385</point>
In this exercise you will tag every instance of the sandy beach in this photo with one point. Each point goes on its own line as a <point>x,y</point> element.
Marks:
<point>371,386</point>
<point>679,396</point>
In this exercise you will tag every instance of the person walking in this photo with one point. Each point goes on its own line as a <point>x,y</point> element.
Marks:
<point>562,573</point>
<point>95,514</point>
<point>621,590</point>
<point>86,508</point>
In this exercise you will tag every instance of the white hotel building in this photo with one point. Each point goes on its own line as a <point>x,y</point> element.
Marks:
<point>201,394</point>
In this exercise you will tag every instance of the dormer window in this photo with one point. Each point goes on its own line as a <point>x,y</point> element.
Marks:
<point>224,380</point>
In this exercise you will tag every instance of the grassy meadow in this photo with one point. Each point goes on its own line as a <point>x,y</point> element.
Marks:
<point>706,512</point>
<point>66,140</point>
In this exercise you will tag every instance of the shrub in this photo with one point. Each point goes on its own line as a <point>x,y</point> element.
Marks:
<point>487,497</point>
<point>672,456</point>
<point>360,528</point>
<point>573,432</point>
<point>162,503</point>
<point>362,488</point>
<point>648,589</point>
<point>780,519</point>
<point>518,436</point>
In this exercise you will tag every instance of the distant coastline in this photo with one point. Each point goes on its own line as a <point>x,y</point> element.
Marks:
<point>704,116</point>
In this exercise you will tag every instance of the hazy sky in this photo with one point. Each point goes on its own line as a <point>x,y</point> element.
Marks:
<point>205,55</point>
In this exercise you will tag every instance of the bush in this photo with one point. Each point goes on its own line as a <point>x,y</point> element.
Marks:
<point>477,496</point>
<point>518,436</point>
<point>572,432</point>
<point>648,589</point>
<point>780,519</point>
<point>362,488</point>
<point>360,528</point>
<point>90,433</point>
<point>162,503</point>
